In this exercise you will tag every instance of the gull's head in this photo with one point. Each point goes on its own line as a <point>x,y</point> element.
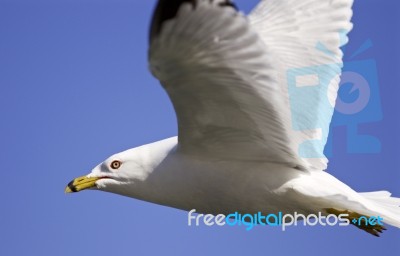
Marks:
<point>125,172</point>
<point>114,174</point>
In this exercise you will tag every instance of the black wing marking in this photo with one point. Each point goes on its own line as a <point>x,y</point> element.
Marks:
<point>168,9</point>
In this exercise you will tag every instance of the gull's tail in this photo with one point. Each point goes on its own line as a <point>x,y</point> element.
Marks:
<point>377,207</point>
<point>326,192</point>
<point>387,207</point>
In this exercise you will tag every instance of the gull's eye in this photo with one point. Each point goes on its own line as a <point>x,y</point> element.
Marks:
<point>115,164</point>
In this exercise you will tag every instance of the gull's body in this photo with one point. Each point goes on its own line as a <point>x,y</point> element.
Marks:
<point>242,128</point>
<point>186,182</point>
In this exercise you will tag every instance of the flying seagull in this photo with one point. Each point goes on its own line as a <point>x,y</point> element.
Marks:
<point>254,97</point>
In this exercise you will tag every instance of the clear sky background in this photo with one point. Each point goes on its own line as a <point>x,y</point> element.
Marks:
<point>75,88</point>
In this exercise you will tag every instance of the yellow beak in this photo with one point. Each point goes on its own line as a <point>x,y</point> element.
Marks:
<point>81,183</point>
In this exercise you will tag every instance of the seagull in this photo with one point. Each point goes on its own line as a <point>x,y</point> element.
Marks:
<point>254,96</point>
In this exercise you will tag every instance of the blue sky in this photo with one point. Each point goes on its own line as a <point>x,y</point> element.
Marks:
<point>75,88</point>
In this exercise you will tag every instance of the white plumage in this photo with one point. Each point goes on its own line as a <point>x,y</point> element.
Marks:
<point>242,123</point>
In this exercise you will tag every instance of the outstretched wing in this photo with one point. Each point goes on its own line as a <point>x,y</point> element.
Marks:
<point>306,36</point>
<point>225,81</point>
